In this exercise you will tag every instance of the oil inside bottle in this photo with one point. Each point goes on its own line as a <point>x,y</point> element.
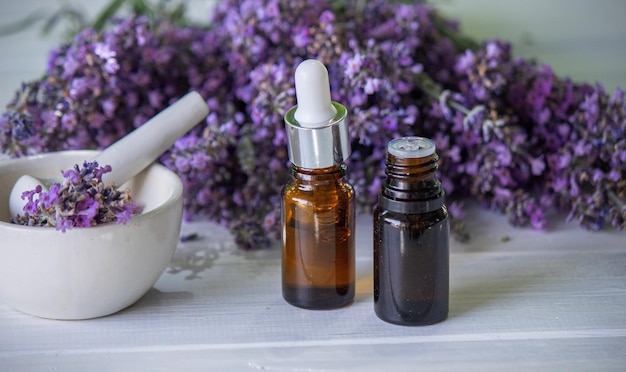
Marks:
<point>318,246</point>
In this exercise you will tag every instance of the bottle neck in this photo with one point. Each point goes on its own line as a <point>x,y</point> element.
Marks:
<point>328,174</point>
<point>411,185</point>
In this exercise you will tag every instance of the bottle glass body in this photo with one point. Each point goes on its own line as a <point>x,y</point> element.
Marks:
<point>411,244</point>
<point>318,266</point>
<point>411,266</point>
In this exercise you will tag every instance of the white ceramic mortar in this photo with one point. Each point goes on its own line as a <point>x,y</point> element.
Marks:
<point>87,272</point>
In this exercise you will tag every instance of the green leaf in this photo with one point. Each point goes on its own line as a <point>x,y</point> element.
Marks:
<point>107,13</point>
<point>178,14</point>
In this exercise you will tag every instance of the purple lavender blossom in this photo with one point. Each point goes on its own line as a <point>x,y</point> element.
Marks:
<point>509,132</point>
<point>82,200</point>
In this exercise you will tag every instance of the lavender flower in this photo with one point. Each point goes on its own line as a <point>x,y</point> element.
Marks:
<point>81,201</point>
<point>509,132</point>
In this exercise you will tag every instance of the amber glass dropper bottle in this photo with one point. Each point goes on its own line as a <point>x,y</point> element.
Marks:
<point>318,267</point>
<point>411,237</point>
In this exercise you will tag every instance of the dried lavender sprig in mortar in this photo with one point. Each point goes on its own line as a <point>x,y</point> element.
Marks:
<point>82,200</point>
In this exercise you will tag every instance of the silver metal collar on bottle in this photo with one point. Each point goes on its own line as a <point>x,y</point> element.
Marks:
<point>317,148</point>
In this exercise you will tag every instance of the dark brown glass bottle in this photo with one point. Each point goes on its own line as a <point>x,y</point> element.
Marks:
<point>411,237</point>
<point>318,247</point>
<point>318,267</point>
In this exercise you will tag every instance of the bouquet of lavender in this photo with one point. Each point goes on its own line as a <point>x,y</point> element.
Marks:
<point>509,132</point>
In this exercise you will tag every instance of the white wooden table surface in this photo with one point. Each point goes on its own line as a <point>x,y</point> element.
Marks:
<point>544,301</point>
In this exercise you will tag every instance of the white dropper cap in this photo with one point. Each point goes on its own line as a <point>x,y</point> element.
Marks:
<point>315,108</point>
<point>317,131</point>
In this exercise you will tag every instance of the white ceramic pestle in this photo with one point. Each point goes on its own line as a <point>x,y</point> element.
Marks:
<point>135,151</point>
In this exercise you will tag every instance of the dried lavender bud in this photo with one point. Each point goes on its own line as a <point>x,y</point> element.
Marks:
<point>82,200</point>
